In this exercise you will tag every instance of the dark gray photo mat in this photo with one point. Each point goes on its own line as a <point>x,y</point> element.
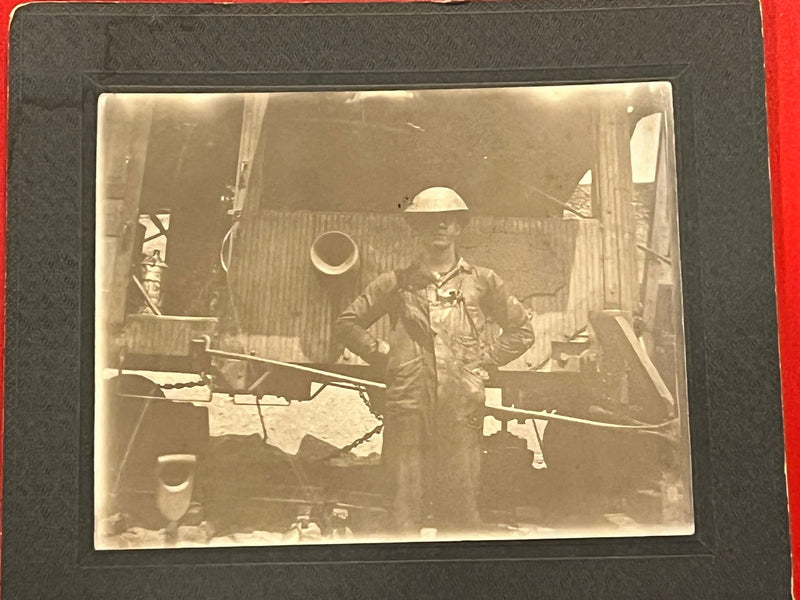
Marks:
<point>63,57</point>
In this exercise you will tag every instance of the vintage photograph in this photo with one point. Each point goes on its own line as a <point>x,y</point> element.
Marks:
<point>357,316</point>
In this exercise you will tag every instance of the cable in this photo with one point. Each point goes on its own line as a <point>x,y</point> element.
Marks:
<point>261,418</point>
<point>227,239</point>
<point>535,414</point>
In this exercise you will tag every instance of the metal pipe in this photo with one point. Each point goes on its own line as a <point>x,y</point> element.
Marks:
<point>140,397</point>
<point>516,413</point>
<point>327,374</point>
<point>334,253</point>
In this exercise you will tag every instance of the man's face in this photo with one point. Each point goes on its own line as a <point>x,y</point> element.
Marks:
<point>436,230</point>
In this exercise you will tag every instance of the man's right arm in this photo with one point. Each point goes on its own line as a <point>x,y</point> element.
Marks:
<point>352,327</point>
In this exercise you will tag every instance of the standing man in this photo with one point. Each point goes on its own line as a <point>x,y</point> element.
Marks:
<point>435,363</point>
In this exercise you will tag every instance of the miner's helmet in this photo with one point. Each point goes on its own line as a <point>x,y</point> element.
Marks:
<point>438,200</point>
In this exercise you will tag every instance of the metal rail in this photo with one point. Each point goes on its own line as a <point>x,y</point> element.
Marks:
<point>327,376</point>
<point>516,413</point>
<point>502,413</point>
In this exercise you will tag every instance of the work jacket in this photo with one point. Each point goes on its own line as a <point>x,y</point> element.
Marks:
<point>443,338</point>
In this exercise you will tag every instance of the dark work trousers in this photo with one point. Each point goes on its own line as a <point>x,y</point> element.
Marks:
<point>431,470</point>
<point>445,331</point>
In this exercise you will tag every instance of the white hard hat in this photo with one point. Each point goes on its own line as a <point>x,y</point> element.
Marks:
<point>435,200</point>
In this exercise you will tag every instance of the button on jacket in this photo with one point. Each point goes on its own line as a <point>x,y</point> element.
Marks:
<point>443,334</point>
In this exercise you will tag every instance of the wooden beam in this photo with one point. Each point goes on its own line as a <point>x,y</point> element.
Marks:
<point>124,134</point>
<point>255,107</point>
<point>656,273</point>
<point>613,197</point>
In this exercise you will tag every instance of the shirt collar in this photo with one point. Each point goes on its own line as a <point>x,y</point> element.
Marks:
<point>463,265</point>
<point>417,276</point>
<point>460,266</point>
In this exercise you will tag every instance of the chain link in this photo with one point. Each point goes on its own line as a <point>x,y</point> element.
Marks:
<point>367,436</point>
<point>204,381</point>
<point>357,442</point>
<point>365,399</point>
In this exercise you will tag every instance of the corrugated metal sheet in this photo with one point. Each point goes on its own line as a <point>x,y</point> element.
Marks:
<point>285,308</point>
<point>165,335</point>
<point>562,314</point>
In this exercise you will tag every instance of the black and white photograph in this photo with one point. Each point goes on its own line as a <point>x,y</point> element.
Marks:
<point>389,315</point>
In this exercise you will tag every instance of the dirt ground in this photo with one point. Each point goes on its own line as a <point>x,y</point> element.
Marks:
<point>337,417</point>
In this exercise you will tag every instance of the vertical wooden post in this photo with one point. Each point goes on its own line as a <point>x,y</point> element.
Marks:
<point>614,194</point>
<point>255,107</point>
<point>656,271</point>
<point>122,149</point>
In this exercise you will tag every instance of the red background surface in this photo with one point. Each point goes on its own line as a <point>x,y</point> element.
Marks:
<point>782,58</point>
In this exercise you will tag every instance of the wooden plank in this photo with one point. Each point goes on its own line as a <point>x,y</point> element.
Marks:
<point>656,272</point>
<point>624,354</point>
<point>605,210</point>
<point>124,134</point>
<point>614,195</point>
<point>255,106</point>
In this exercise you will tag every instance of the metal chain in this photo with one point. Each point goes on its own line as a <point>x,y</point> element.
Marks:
<point>364,438</point>
<point>365,399</point>
<point>204,381</point>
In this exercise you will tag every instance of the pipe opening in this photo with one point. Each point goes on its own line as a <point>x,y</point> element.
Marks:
<point>334,253</point>
<point>175,471</point>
